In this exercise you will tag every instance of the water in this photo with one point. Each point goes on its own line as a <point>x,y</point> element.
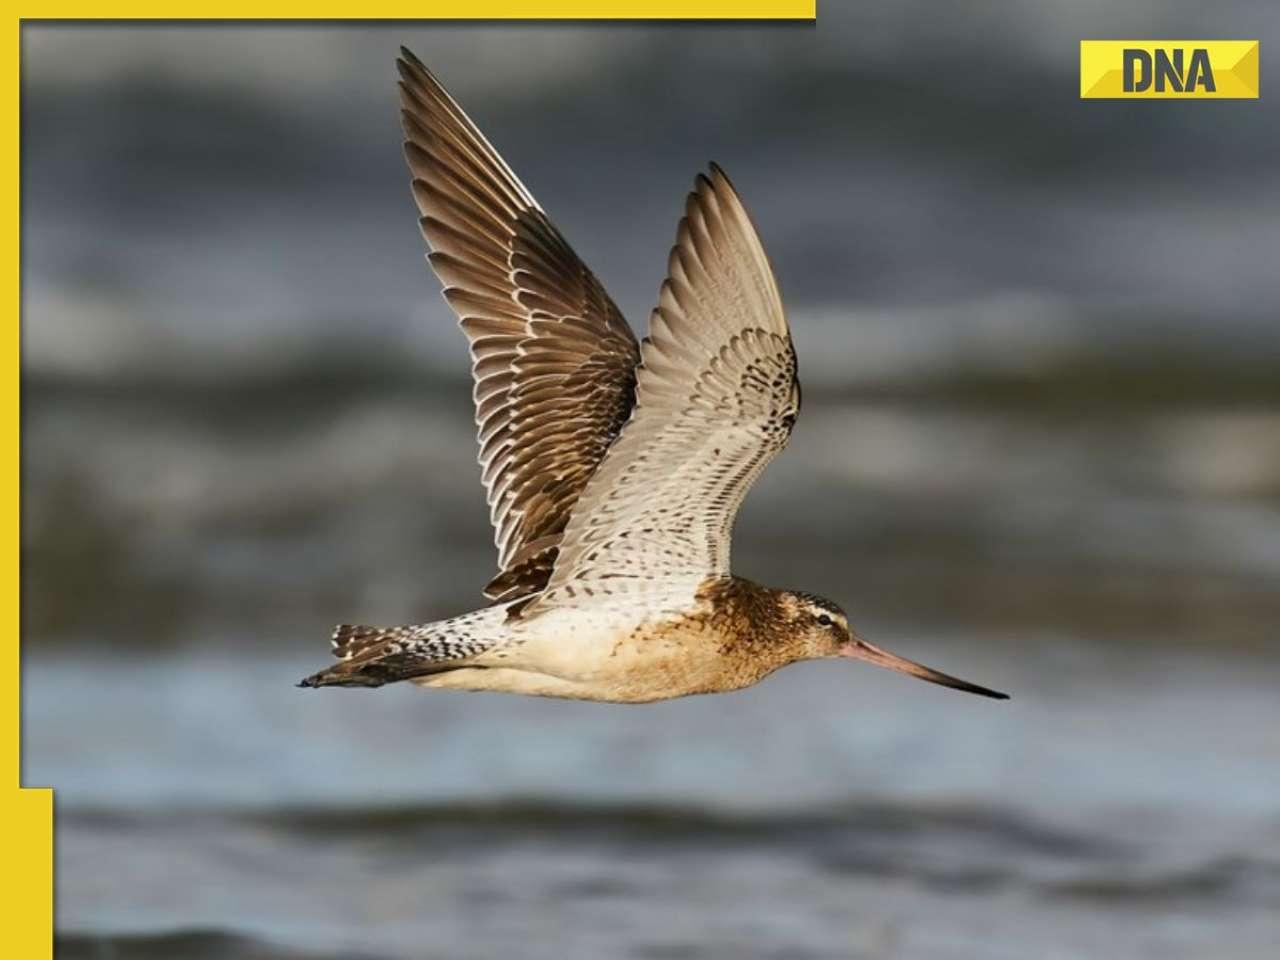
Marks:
<point>831,812</point>
<point>188,550</point>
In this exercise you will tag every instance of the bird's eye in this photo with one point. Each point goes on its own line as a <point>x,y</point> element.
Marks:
<point>824,621</point>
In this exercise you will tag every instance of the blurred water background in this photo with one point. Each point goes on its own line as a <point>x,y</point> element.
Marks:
<point>1040,448</point>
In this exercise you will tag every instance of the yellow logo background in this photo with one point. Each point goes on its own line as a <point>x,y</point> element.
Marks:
<point>1234,64</point>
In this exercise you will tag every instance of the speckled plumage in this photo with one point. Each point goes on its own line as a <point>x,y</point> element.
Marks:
<point>614,469</point>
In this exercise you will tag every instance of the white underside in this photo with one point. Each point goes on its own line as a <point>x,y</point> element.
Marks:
<point>604,650</point>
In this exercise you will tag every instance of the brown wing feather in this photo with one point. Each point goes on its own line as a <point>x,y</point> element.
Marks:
<point>553,359</point>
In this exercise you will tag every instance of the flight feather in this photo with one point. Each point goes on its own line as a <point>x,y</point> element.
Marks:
<point>552,357</point>
<point>716,397</point>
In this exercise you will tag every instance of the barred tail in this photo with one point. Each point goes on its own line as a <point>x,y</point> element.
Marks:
<point>350,639</point>
<point>372,656</point>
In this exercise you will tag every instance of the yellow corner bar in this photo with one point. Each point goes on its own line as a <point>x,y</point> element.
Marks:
<point>27,814</point>
<point>444,10</point>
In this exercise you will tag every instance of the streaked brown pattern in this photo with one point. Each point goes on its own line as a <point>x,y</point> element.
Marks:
<point>553,359</point>
<point>716,398</point>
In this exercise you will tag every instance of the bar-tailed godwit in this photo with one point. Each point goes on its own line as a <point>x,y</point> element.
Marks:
<point>614,468</point>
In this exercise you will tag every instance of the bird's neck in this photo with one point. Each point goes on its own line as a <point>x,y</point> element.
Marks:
<point>751,619</point>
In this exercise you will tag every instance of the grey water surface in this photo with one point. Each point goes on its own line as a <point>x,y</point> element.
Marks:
<point>1125,802</point>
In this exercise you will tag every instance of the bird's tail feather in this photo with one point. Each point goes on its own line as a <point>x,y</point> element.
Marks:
<point>374,672</point>
<point>372,656</point>
<point>350,639</point>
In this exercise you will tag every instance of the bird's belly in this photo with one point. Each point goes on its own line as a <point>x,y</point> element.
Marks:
<point>650,660</point>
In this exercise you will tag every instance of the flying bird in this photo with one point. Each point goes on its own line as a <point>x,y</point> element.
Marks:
<point>613,468</point>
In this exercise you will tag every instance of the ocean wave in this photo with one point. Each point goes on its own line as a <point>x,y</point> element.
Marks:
<point>519,877</point>
<point>187,944</point>
<point>1239,879</point>
<point>679,822</point>
<point>939,846</point>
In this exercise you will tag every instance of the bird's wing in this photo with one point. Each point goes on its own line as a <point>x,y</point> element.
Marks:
<point>553,359</point>
<point>716,398</point>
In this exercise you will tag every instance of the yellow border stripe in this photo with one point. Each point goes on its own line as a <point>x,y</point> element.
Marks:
<point>28,814</point>
<point>455,10</point>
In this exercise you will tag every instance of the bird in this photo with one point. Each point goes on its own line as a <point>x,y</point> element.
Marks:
<point>613,468</point>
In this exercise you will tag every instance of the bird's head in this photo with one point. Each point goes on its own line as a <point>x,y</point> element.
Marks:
<point>824,631</point>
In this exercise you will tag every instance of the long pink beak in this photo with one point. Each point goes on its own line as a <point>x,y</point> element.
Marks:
<point>859,649</point>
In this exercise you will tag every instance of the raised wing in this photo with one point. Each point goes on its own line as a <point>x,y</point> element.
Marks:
<point>553,359</point>
<point>716,398</point>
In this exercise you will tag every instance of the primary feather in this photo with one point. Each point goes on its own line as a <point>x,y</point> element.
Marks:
<point>553,358</point>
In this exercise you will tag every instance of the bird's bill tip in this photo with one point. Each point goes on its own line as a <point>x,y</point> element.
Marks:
<point>858,649</point>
